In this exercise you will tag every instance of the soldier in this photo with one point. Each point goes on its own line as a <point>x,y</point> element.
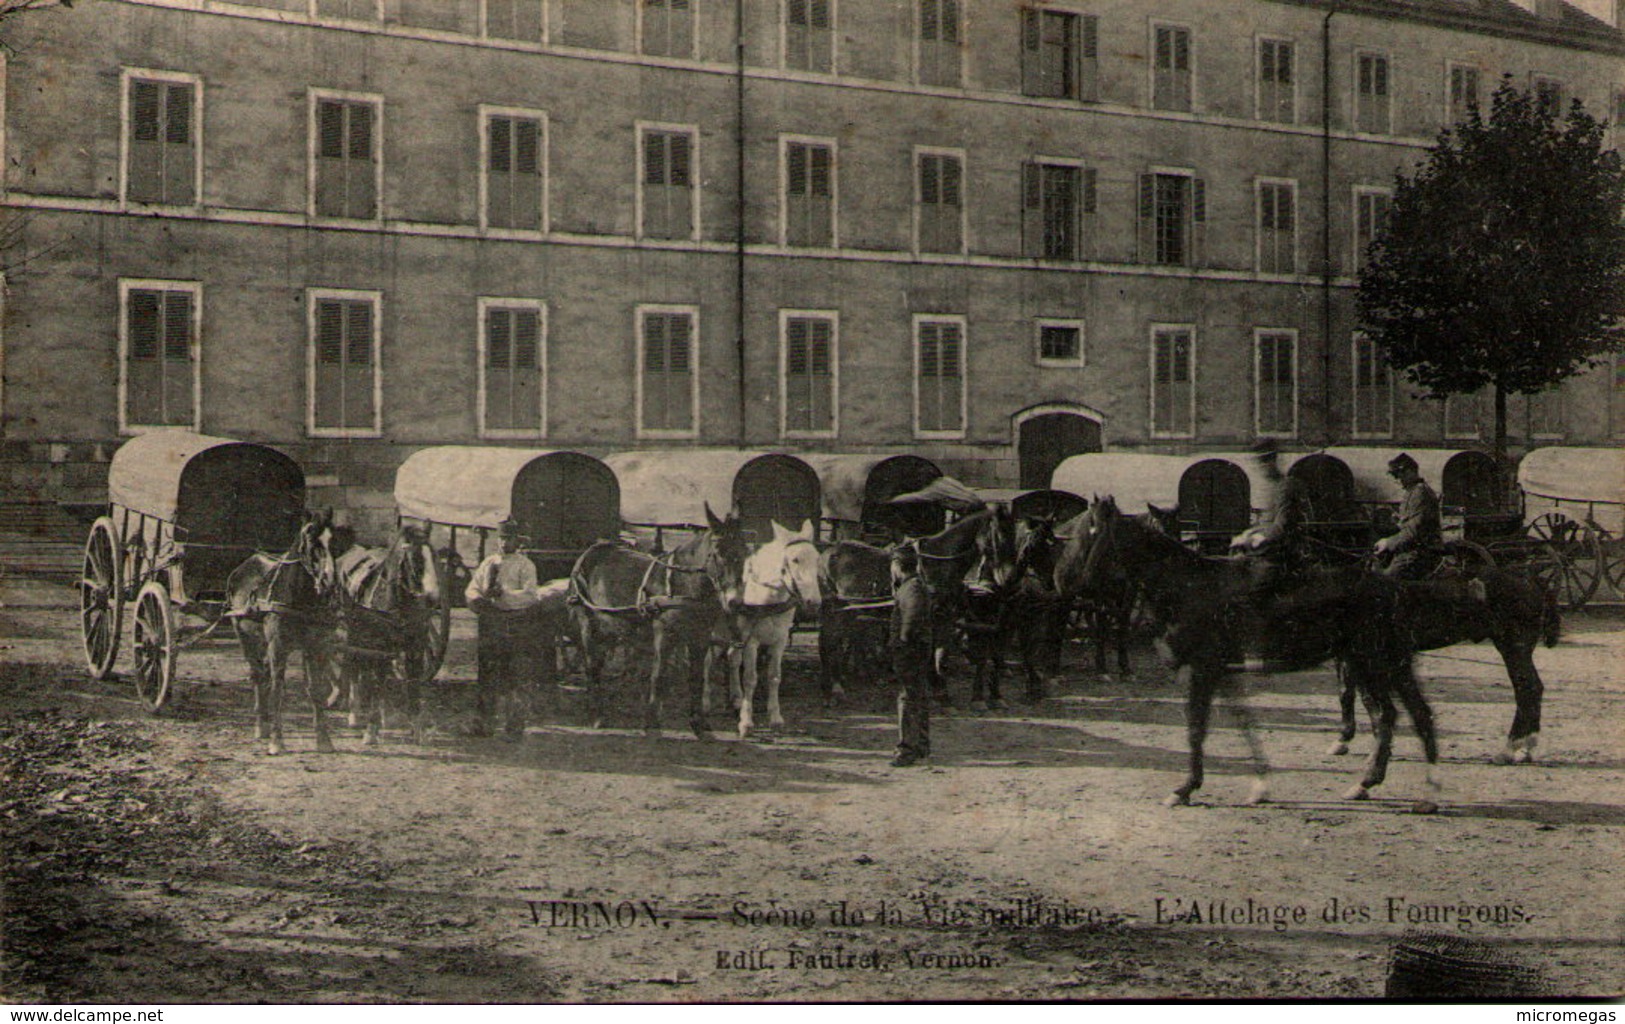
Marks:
<point>502,592</point>
<point>1414,551</point>
<point>911,658</point>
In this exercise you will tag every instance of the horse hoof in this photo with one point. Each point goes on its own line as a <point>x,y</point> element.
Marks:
<point>1177,799</point>
<point>1505,756</point>
<point>1260,793</point>
<point>1523,756</point>
<point>1338,749</point>
<point>1358,792</point>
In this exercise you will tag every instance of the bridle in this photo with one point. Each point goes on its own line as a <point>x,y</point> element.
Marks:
<point>784,581</point>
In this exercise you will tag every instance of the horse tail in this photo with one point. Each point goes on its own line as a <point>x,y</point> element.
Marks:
<point>1551,618</point>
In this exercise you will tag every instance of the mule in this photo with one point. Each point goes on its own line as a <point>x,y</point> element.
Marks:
<point>669,604</point>
<point>1516,613</point>
<point>280,602</point>
<point>1210,607</point>
<point>780,581</point>
<point>386,598</point>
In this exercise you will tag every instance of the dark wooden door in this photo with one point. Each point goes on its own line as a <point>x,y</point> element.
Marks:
<point>1045,441</point>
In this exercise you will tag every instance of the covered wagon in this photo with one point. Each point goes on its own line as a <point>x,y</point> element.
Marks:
<point>668,490</point>
<point>857,492</point>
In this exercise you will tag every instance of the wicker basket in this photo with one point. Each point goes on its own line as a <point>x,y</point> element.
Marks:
<point>1429,966</point>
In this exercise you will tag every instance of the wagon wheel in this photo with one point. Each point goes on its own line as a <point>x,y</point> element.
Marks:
<point>1613,560</point>
<point>1571,557</point>
<point>101,589</point>
<point>1468,557</point>
<point>154,644</point>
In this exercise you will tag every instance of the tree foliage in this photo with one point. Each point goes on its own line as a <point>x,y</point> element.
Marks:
<point>1503,260</point>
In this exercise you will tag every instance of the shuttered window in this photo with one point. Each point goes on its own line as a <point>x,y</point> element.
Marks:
<point>1059,54</point>
<point>512,375</point>
<point>667,372</point>
<point>938,45</point>
<point>809,375</point>
<point>1464,416</point>
<point>809,38</point>
<point>668,183</point>
<point>1373,391</point>
<point>1172,218</point>
<point>668,27</point>
<point>1171,68</point>
<point>514,19</point>
<point>940,376</point>
<point>1545,410</point>
<point>1277,228</point>
<point>513,172</point>
<point>1372,105</point>
<point>1549,96</point>
<point>162,142</point>
<point>1173,382</point>
<point>1277,97</point>
<point>941,202</point>
<point>345,365</point>
<point>346,159</point>
<point>1054,200</point>
<point>1370,220</point>
<point>348,10</point>
<point>1276,383</point>
<point>160,346</point>
<point>1463,93</point>
<point>809,201</point>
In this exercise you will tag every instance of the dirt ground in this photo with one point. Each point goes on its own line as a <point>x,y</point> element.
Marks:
<point>168,859</point>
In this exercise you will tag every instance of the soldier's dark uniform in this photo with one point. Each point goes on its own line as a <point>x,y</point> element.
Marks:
<point>1416,546</point>
<point>911,635</point>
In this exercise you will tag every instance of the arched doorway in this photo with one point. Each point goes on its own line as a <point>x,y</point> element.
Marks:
<point>1047,435</point>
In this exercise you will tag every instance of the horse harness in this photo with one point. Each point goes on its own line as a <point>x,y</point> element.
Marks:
<point>648,604</point>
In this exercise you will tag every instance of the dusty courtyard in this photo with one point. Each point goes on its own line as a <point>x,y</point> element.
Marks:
<point>169,859</point>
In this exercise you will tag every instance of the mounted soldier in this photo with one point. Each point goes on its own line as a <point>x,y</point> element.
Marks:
<point>1414,551</point>
<point>1277,539</point>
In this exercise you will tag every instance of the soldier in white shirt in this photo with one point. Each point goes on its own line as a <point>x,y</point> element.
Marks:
<point>501,592</point>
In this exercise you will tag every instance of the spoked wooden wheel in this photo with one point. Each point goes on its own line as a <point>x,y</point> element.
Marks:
<point>101,589</point>
<point>154,644</point>
<point>1572,555</point>
<point>438,625</point>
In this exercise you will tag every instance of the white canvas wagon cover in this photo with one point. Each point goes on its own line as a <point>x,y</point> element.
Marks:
<point>1462,476</point>
<point>672,487</point>
<point>164,472</point>
<point>1574,474</point>
<point>469,485</point>
<point>853,484</point>
<point>1135,479</point>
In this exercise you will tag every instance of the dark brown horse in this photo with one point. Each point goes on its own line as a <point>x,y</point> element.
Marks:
<point>277,603</point>
<point>856,582</point>
<point>1012,597</point>
<point>668,603</point>
<point>1516,613</point>
<point>1210,608</point>
<point>386,598</point>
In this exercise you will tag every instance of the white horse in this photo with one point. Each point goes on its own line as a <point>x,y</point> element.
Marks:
<point>780,577</point>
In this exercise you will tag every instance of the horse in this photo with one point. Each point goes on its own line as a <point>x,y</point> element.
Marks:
<point>668,602</point>
<point>1516,613</point>
<point>856,582</point>
<point>780,579</point>
<point>386,598</point>
<point>1009,595</point>
<point>276,603</point>
<point>1210,606</point>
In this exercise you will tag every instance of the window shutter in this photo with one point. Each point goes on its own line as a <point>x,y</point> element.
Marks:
<point>819,171</point>
<point>818,14</point>
<point>144,103</point>
<point>950,21</point>
<point>930,180</point>
<point>1283,63</point>
<point>358,334</point>
<point>1198,200</point>
<point>796,359</point>
<point>499,340</point>
<point>677,340</point>
<point>330,333</point>
<point>501,132</point>
<point>796,12</point>
<point>1089,36</point>
<point>144,324</point>
<point>928,351</point>
<point>654,342</point>
<point>1182,50</point>
<point>950,180</point>
<point>178,123</point>
<point>1090,200</point>
<point>527,339</point>
<point>330,129</point>
<point>1147,221</point>
<point>818,347</point>
<point>679,170</point>
<point>1030,37</point>
<point>654,158</point>
<point>527,144</point>
<point>796,156</point>
<point>178,327</point>
<point>360,132</point>
<point>1286,214</point>
<point>928,19</point>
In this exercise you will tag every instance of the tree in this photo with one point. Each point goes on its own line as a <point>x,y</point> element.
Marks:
<point>1503,260</point>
